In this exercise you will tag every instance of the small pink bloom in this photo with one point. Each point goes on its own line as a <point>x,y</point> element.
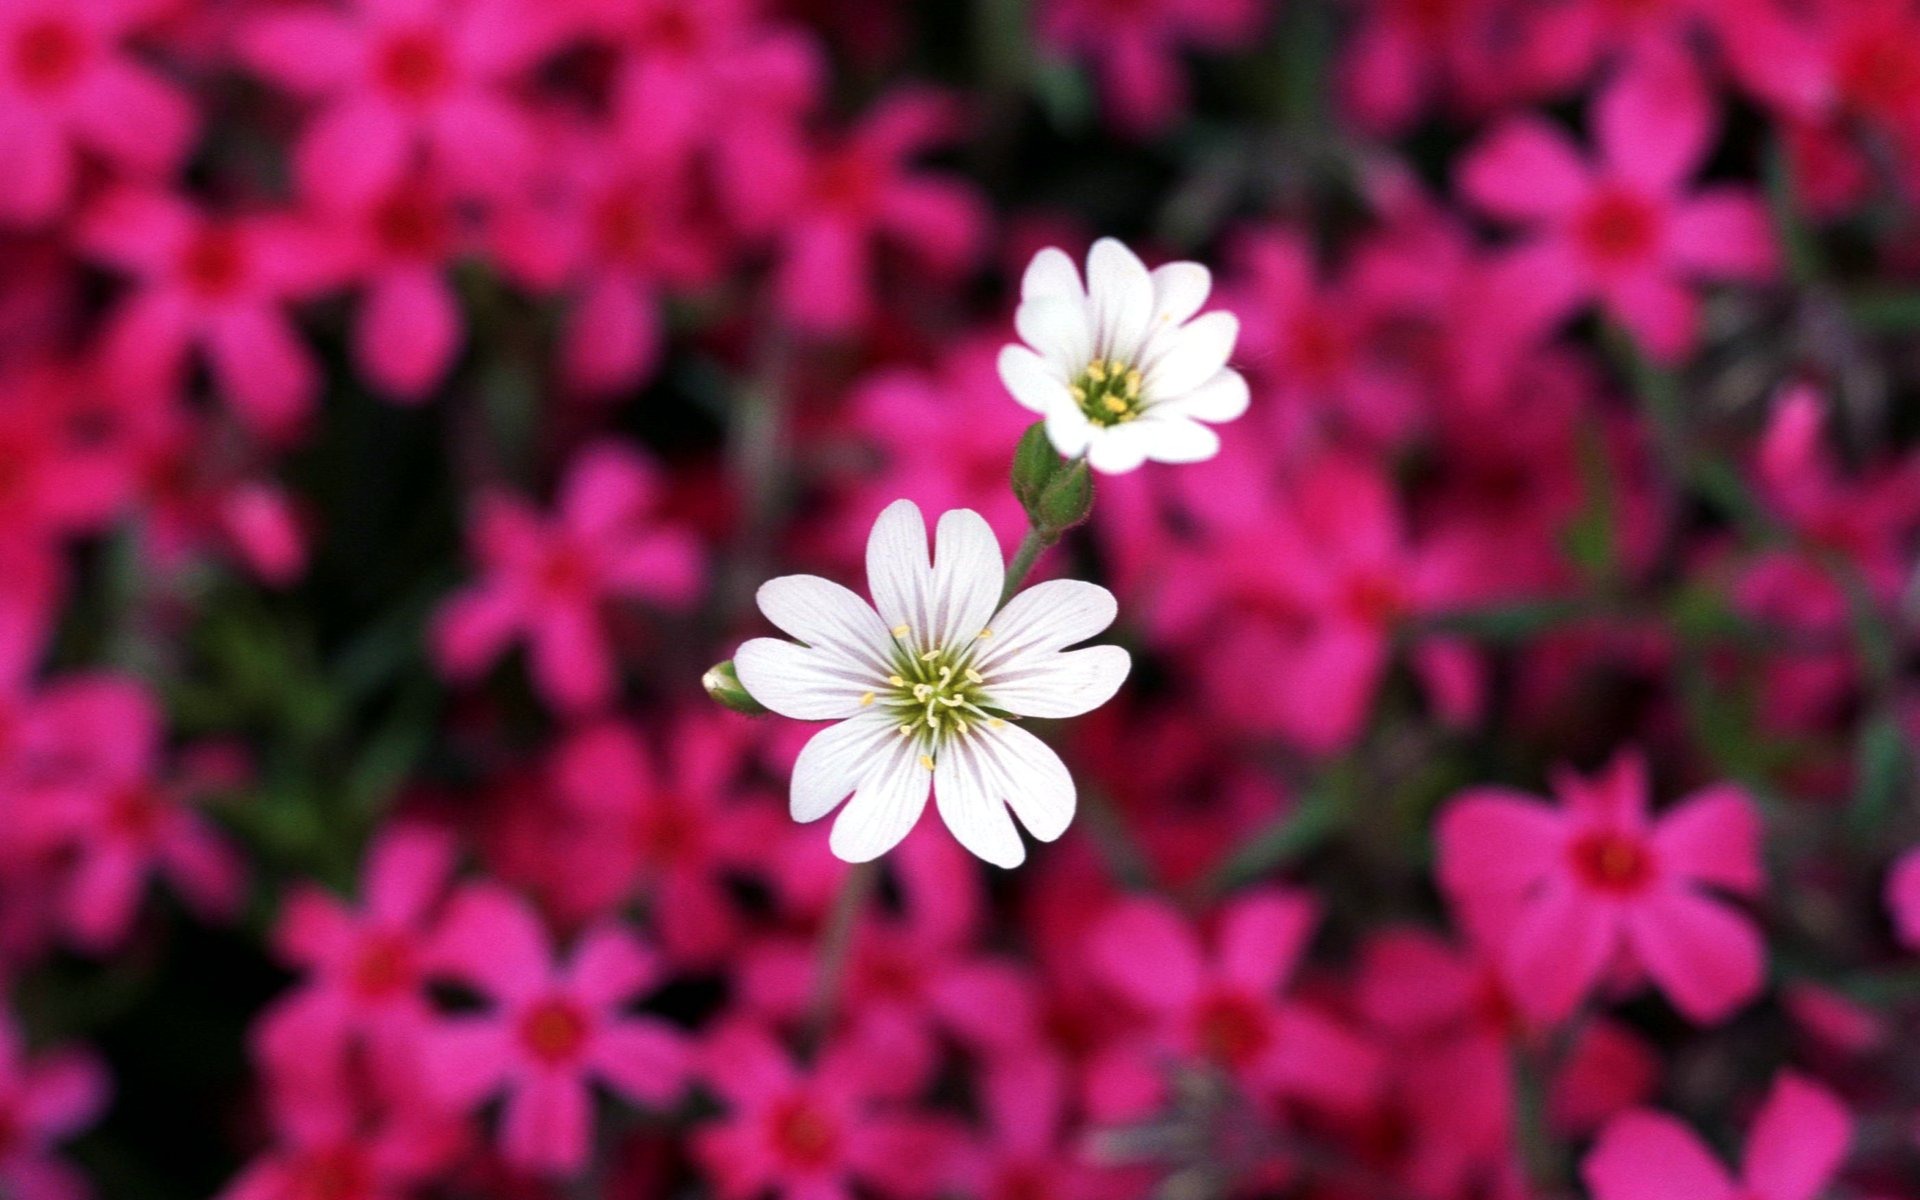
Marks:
<point>1597,882</point>
<point>1796,1147</point>
<point>1136,46</point>
<point>1903,897</point>
<point>67,85</point>
<point>546,578</point>
<point>1225,1004</point>
<point>1624,230</point>
<point>552,1029</point>
<point>44,1100</point>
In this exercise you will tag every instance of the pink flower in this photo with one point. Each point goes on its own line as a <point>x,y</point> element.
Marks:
<point>1598,882</point>
<point>365,967</point>
<point>1408,56</point>
<point>122,821</point>
<point>1227,1008</point>
<point>43,1101</point>
<point>221,283</point>
<point>1624,230</point>
<point>1029,1151</point>
<point>1903,897</point>
<point>546,578</point>
<point>551,1030</point>
<point>1796,1147</point>
<point>832,207</point>
<point>393,77</point>
<point>811,1134</point>
<point>1136,46</point>
<point>68,85</point>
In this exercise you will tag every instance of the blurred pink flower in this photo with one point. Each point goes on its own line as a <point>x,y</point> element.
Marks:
<point>1136,46</point>
<point>546,578</point>
<point>1797,1145</point>
<point>551,1029</point>
<point>1598,881</point>
<point>1903,897</point>
<point>68,85</point>
<point>1625,230</point>
<point>44,1100</point>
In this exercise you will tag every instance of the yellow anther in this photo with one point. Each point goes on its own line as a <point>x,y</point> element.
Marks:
<point>985,633</point>
<point>953,701</point>
<point>866,698</point>
<point>1113,404</point>
<point>974,676</point>
<point>997,723</point>
<point>927,762</point>
<point>896,681</point>
<point>1133,381</point>
<point>1097,370</point>
<point>900,631</point>
<point>1079,393</point>
<point>929,656</point>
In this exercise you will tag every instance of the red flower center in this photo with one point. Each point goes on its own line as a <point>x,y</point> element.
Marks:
<point>846,181</point>
<point>665,831</point>
<point>1376,599</point>
<point>340,1173</point>
<point>1618,228</point>
<point>1232,1030</point>
<point>566,572</point>
<point>412,224</point>
<point>1614,862</point>
<point>802,1134</point>
<point>384,968</point>
<point>48,54</point>
<point>621,224</point>
<point>415,65</point>
<point>554,1031</point>
<point>135,813</point>
<point>670,29</point>
<point>1880,74</point>
<point>1319,348</point>
<point>214,263</point>
<point>9,1133</point>
<point>1022,1181</point>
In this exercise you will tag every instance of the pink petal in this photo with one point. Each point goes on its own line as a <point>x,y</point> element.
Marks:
<point>613,335</point>
<point>644,1060</point>
<point>407,869</point>
<point>104,892</point>
<point>1263,936</point>
<point>264,368</point>
<point>1496,840</point>
<point>351,152</point>
<point>308,51</point>
<point>1527,170</point>
<point>464,1059</point>
<point>1662,315</point>
<point>1320,1059</point>
<point>608,487</point>
<point>472,629</point>
<point>1655,124</point>
<point>547,1123</point>
<point>1561,943</point>
<point>610,967</point>
<point>1713,836</point>
<point>314,928</point>
<point>1143,949</point>
<point>822,278</point>
<point>572,666</point>
<point>36,168</point>
<point>408,332</point>
<point>1723,234</point>
<point>493,939</point>
<point>486,144</point>
<point>65,1091</point>
<point>1903,898</point>
<point>134,117</point>
<point>1798,1141</point>
<point>1708,959</point>
<point>1651,1156</point>
<point>665,567</point>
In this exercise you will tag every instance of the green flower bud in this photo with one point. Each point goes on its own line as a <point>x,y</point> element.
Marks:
<point>723,684</point>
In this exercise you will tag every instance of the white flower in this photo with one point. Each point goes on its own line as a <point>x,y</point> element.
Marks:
<point>926,690</point>
<point>1121,368</point>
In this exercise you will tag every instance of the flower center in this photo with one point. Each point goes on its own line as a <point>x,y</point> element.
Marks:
<point>415,66</point>
<point>1108,391</point>
<point>1231,1030</point>
<point>1613,862</point>
<point>213,264</point>
<point>935,694</point>
<point>337,1174</point>
<point>1618,228</point>
<point>804,1135</point>
<point>48,54</point>
<point>553,1031</point>
<point>383,968</point>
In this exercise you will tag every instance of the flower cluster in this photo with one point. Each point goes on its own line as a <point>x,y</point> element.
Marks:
<point>1383,531</point>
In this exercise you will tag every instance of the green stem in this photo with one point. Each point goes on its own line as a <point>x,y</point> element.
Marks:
<point>1029,551</point>
<point>836,948</point>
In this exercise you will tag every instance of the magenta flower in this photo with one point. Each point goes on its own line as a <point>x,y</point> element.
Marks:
<point>394,77</point>
<point>1597,882</point>
<point>1225,1005</point>
<point>1624,230</point>
<point>220,283</point>
<point>1796,1147</point>
<point>546,578</point>
<point>552,1028</point>
<point>1136,46</point>
<point>812,1134</point>
<point>67,85</point>
<point>43,1101</point>
<point>1903,897</point>
<point>365,966</point>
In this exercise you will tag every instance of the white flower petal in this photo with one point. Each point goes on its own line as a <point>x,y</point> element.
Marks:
<point>968,573</point>
<point>1192,356</point>
<point>807,685</point>
<point>1061,685</point>
<point>1032,380</point>
<point>969,802</point>
<point>1052,273</point>
<point>1220,399</point>
<point>1028,776</point>
<point>1179,289</point>
<point>1119,448</point>
<point>1069,430</point>
<point>898,572</point>
<point>1046,618</point>
<point>1120,293</point>
<point>884,808</point>
<point>827,616</point>
<point>835,761</point>
<point>1061,330</point>
<point>1178,440</point>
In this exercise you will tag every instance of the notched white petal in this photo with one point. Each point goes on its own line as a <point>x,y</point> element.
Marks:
<point>825,615</point>
<point>972,808</point>
<point>885,806</point>
<point>898,571</point>
<point>1032,380</point>
<point>1062,685</point>
<point>835,761</point>
<point>968,573</point>
<point>797,682</point>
